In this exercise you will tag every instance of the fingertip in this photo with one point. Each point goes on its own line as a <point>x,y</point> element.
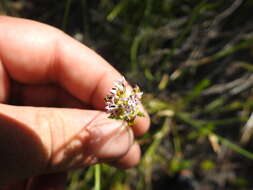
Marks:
<point>142,124</point>
<point>131,159</point>
<point>109,140</point>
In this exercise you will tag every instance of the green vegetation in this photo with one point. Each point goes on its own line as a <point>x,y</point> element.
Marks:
<point>193,59</point>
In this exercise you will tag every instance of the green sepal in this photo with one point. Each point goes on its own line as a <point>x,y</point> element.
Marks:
<point>140,114</point>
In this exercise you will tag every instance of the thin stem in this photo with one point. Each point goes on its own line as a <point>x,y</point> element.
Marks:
<point>198,124</point>
<point>97,177</point>
<point>66,14</point>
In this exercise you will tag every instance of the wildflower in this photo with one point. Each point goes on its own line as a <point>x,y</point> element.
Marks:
<point>123,103</point>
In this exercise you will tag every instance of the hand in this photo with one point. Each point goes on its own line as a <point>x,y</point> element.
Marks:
<point>50,80</point>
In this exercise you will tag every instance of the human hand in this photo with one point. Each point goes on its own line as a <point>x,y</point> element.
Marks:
<point>54,79</point>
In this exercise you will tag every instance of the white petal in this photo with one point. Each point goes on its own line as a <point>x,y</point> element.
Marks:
<point>113,91</point>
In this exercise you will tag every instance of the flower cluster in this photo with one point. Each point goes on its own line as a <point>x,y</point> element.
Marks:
<point>123,103</point>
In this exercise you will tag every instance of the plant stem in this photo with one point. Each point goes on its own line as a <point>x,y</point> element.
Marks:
<point>66,14</point>
<point>97,177</point>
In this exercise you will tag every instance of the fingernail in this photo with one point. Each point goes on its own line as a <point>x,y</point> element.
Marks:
<point>109,139</point>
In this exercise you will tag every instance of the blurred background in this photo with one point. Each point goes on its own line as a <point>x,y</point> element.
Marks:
<point>193,59</point>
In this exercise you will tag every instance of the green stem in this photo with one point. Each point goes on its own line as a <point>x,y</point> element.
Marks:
<point>66,14</point>
<point>97,177</point>
<point>117,10</point>
<point>198,124</point>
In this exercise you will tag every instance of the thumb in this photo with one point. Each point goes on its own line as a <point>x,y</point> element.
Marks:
<point>36,140</point>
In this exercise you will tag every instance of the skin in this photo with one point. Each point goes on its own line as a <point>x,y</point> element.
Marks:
<point>51,108</point>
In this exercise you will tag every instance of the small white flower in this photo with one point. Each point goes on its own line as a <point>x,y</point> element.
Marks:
<point>123,103</point>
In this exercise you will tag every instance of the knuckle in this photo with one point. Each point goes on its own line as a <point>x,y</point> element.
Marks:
<point>51,124</point>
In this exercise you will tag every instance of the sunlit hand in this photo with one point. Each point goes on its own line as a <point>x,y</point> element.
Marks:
<point>47,82</point>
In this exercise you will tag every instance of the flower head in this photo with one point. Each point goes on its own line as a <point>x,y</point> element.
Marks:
<point>123,103</point>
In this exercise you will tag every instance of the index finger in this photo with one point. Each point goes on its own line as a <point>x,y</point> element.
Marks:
<point>32,52</point>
